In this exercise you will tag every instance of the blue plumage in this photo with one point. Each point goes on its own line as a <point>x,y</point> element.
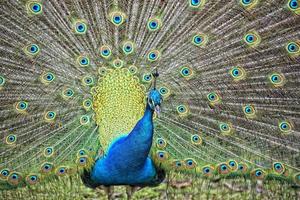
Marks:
<point>127,161</point>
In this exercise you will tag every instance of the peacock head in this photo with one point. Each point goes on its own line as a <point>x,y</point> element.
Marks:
<point>154,100</point>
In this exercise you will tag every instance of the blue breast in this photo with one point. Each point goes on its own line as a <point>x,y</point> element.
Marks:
<point>127,160</point>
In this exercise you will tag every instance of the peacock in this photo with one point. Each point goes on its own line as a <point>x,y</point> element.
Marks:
<point>112,93</point>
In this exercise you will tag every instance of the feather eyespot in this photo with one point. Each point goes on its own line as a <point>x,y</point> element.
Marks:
<point>21,106</point>
<point>153,55</point>
<point>190,163</point>
<point>128,47</point>
<point>278,168</point>
<point>293,5</point>
<point>258,174</point>
<point>80,27</point>
<point>117,18</point>
<point>207,171</point>
<point>118,63</point>
<point>48,151</point>
<point>32,50</point>
<point>233,165</point>
<point>147,78</point>
<point>2,81</point>
<point>223,169</point>
<point>34,8</point>
<point>196,4</point>
<point>47,78</point>
<point>14,178</point>
<point>182,110</point>
<point>249,111</point>
<point>87,104</point>
<point>84,120</point>
<point>277,79</point>
<point>186,72</point>
<point>154,24</point>
<point>88,81</point>
<point>200,39</point>
<point>177,164</point>
<point>248,4</point>
<point>238,73</point>
<point>61,171</point>
<point>242,167</point>
<point>196,139</point>
<point>293,49</point>
<point>83,61</point>
<point>213,98</point>
<point>225,128</point>
<point>161,155</point>
<point>105,51</point>
<point>67,93</point>
<point>285,127</point>
<point>82,161</point>
<point>11,139</point>
<point>4,173</point>
<point>132,69</point>
<point>46,167</point>
<point>50,116</point>
<point>32,179</point>
<point>161,143</point>
<point>81,152</point>
<point>252,39</point>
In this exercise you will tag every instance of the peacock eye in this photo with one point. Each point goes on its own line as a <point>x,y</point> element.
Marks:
<point>293,47</point>
<point>11,139</point>
<point>190,163</point>
<point>80,27</point>
<point>277,79</point>
<point>285,127</point>
<point>48,151</point>
<point>2,81</point>
<point>47,78</point>
<point>182,110</point>
<point>258,174</point>
<point>81,152</point>
<point>50,115</point>
<point>4,173</point>
<point>225,128</point>
<point>61,171</point>
<point>84,120</point>
<point>46,167</point>
<point>213,98</point>
<point>252,39</point>
<point>278,167</point>
<point>117,18</point>
<point>32,179</point>
<point>154,24</point>
<point>161,143</point>
<point>34,8</point>
<point>32,50</point>
<point>83,61</point>
<point>196,4</point>
<point>249,111</point>
<point>293,4</point>
<point>147,78</point>
<point>118,63</point>
<point>87,104</point>
<point>105,51</point>
<point>82,161</point>
<point>128,47</point>
<point>246,1</point>
<point>133,69</point>
<point>196,139</point>
<point>88,81</point>
<point>238,73</point>
<point>161,155</point>
<point>199,39</point>
<point>22,106</point>
<point>153,55</point>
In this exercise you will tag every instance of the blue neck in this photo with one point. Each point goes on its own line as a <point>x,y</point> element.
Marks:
<point>126,161</point>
